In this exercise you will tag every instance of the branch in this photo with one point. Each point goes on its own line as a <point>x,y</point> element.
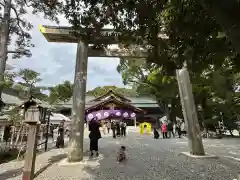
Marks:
<point>18,20</point>
<point>25,1</point>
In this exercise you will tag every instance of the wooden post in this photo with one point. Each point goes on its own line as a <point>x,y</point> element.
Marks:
<point>32,119</point>
<point>190,114</point>
<point>41,129</point>
<point>78,109</point>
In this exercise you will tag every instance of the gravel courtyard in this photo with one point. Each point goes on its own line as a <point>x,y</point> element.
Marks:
<point>147,159</point>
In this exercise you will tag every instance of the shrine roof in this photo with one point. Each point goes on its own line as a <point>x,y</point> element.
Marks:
<point>94,104</point>
<point>139,102</point>
<point>112,93</point>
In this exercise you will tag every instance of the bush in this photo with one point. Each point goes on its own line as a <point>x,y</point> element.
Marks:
<point>8,155</point>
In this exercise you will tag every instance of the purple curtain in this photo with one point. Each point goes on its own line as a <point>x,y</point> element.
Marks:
<point>103,114</point>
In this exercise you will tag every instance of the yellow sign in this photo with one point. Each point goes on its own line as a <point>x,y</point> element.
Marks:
<point>145,128</point>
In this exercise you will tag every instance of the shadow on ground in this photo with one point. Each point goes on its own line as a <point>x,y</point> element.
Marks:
<point>11,174</point>
<point>51,161</point>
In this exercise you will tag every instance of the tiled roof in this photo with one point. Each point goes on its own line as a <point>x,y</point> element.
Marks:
<point>114,100</point>
<point>9,99</point>
<point>139,102</point>
<point>134,100</point>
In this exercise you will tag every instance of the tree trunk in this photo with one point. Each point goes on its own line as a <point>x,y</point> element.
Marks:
<point>18,135</point>
<point>4,42</point>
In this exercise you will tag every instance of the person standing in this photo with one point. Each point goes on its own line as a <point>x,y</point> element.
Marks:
<point>123,128</point>
<point>178,129</point>
<point>94,136</point>
<point>114,129</point>
<point>164,130</point>
<point>60,138</point>
<point>155,133</point>
<point>170,129</point>
<point>52,131</point>
<point>118,129</point>
<point>108,126</point>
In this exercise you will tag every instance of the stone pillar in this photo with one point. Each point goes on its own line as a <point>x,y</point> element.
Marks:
<point>78,109</point>
<point>190,113</point>
<point>32,119</point>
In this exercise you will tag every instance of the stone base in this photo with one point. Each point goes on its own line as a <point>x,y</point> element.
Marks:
<point>86,161</point>
<point>206,156</point>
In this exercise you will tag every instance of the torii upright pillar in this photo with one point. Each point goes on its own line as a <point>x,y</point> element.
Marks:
<point>78,109</point>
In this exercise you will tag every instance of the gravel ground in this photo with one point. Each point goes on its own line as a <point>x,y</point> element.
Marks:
<point>147,159</point>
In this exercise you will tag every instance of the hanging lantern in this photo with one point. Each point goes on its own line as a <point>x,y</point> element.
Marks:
<point>125,114</point>
<point>133,115</point>
<point>118,113</point>
<point>106,114</point>
<point>98,115</point>
<point>90,116</point>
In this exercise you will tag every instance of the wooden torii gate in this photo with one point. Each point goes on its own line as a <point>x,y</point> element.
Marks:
<point>84,50</point>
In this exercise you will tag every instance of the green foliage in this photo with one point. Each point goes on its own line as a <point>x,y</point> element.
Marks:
<point>30,78</point>
<point>8,80</point>
<point>20,27</point>
<point>9,155</point>
<point>61,92</point>
<point>14,116</point>
<point>194,36</point>
<point>99,91</point>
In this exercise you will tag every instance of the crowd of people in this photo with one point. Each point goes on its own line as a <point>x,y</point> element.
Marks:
<point>169,129</point>
<point>118,130</point>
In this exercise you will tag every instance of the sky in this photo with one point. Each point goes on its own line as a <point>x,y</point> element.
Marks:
<point>55,61</point>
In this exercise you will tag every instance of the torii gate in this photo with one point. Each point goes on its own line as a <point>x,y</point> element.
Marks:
<point>108,37</point>
<point>66,35</point>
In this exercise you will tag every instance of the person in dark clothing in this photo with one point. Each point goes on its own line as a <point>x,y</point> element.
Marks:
<point>94,136</point>
<point>170,129</point>
<point>7,133</point>
<point>114,127</point>
<point>118,129</point>
<point>52,131</point>
<point>123,128</point>
<point>60,138</point>
<point>178,129</point>
<point>155,133</point>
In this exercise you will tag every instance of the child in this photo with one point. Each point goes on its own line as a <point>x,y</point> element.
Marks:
<point>155,133</point>
<point>121,155</point>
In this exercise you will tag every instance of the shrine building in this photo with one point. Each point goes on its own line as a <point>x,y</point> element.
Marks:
<point>113,106</point>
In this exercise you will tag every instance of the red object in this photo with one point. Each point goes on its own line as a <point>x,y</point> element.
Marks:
<point>164,128</point>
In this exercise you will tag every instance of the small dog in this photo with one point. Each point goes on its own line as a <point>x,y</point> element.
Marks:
<point>121,154</point>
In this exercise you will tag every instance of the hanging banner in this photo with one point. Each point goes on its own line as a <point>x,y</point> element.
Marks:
<point>104,114</point>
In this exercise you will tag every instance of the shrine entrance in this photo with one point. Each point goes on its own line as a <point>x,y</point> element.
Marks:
<point>86,49</point>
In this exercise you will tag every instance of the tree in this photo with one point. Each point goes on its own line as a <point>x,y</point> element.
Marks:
<point>151,80</point>
<point>30,78</point>
<point>15,28</point>
<point>226,14</point>
<point>61,92</point>
<point>99,91</point>
<point>20,27</point>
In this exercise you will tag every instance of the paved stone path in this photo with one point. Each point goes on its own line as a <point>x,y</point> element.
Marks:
<point>148,159</point>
